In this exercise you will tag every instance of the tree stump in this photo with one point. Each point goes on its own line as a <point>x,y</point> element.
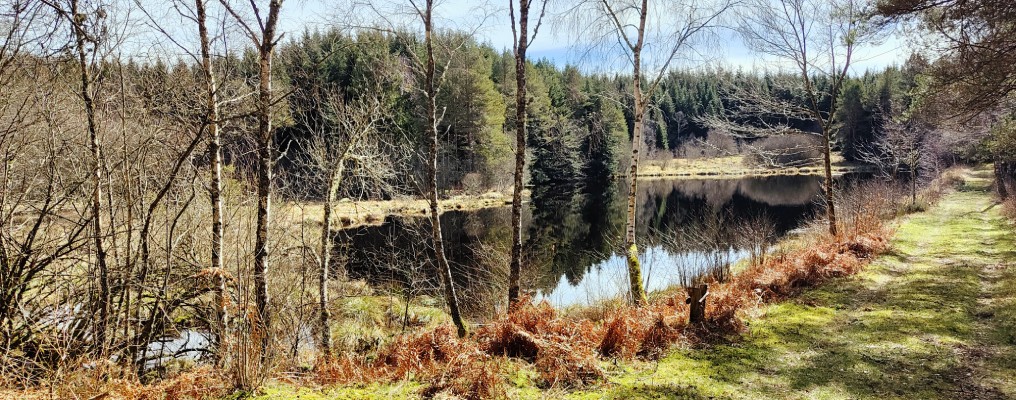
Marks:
<point>697,300</point>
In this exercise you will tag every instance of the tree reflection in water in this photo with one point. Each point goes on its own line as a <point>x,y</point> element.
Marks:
<point>572,238</point>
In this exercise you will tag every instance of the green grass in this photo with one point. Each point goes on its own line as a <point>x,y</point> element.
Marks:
<point>370,392</point>
<point>935,318</point>
<point>360,321</point>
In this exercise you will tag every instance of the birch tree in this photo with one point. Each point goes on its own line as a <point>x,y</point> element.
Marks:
<point>652,37</point>
<point>87,33</point>
<point>431,65</point>
<point>520,45</point>
<point>211,123</point>
<point>204,127</point>
<point>264,36</point>
<point>813,38</point>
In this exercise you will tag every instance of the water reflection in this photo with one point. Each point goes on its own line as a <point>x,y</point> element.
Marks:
<point>572,238</point>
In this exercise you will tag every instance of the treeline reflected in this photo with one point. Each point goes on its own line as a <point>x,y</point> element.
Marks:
<point>570,232</point>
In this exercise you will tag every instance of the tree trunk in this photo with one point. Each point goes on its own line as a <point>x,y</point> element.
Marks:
<point>825,126</point>
<point>325,253</point>
<point>913,186</point>
<point>1000,180</point>
<point>827,161</point>
<point>638,293</point>
<point>215,191</point>
<point>520,151</point>
<point>81,39</point>
<point>265,147</point>
<point>697,301</point>
<point>444,269</point>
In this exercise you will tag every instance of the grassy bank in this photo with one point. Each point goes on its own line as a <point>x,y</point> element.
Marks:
<point>550,353</point>
<point>733,167</point>
<point>933,319</point>
<point>350,214</point>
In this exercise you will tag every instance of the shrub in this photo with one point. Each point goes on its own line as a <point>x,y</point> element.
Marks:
<point>561,364</point>
<point>644,332</point>
<point>560,347</point>
<point>1009,208</point>
<point>472,183</point>
<point>470,376</point>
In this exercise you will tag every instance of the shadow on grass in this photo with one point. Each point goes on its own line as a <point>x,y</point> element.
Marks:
<point>904,328</point>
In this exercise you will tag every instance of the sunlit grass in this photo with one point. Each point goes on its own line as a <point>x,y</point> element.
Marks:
<point>897,330</point>
<point>934,318</point>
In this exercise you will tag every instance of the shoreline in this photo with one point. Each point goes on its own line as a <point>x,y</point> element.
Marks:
<point>350,214</point>
<point>732,167</point>
<point>837,170</point>
<point>353,214</point>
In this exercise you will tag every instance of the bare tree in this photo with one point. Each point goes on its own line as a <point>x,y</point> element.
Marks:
<point>755,234</point>
<point>211,122</point>
<point>902,144</point>
<point>433,76</point>
<point>204,125</point>
<point>521,42</point>
<point>39,183</point>
<point>432,82</point>
<point>88,32</point>
<point>265,37</point>
<point>812,38</point>
<point>652,37</point>
<point>347,142</point>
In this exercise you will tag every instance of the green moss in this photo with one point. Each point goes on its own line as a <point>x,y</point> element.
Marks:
<point>369,392</point>
<point>635,276</point>
<point>899,329</point>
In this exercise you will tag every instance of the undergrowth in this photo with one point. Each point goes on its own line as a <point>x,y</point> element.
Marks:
<point>567,349</point>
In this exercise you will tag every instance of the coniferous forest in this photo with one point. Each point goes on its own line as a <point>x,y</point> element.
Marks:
<point>216,199</point>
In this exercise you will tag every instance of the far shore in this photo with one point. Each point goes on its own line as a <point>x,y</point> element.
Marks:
<point>351,214</point>
<point>733,167</point>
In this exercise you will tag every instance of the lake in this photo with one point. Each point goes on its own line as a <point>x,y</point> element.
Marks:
<point>572,239</point>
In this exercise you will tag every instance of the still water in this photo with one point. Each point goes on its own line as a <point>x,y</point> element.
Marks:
<point>572,239</point>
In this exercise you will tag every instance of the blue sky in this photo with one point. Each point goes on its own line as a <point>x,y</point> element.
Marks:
<point>554,44</point>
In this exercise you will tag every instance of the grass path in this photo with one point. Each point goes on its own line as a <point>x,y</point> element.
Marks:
<point>934,319</point>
